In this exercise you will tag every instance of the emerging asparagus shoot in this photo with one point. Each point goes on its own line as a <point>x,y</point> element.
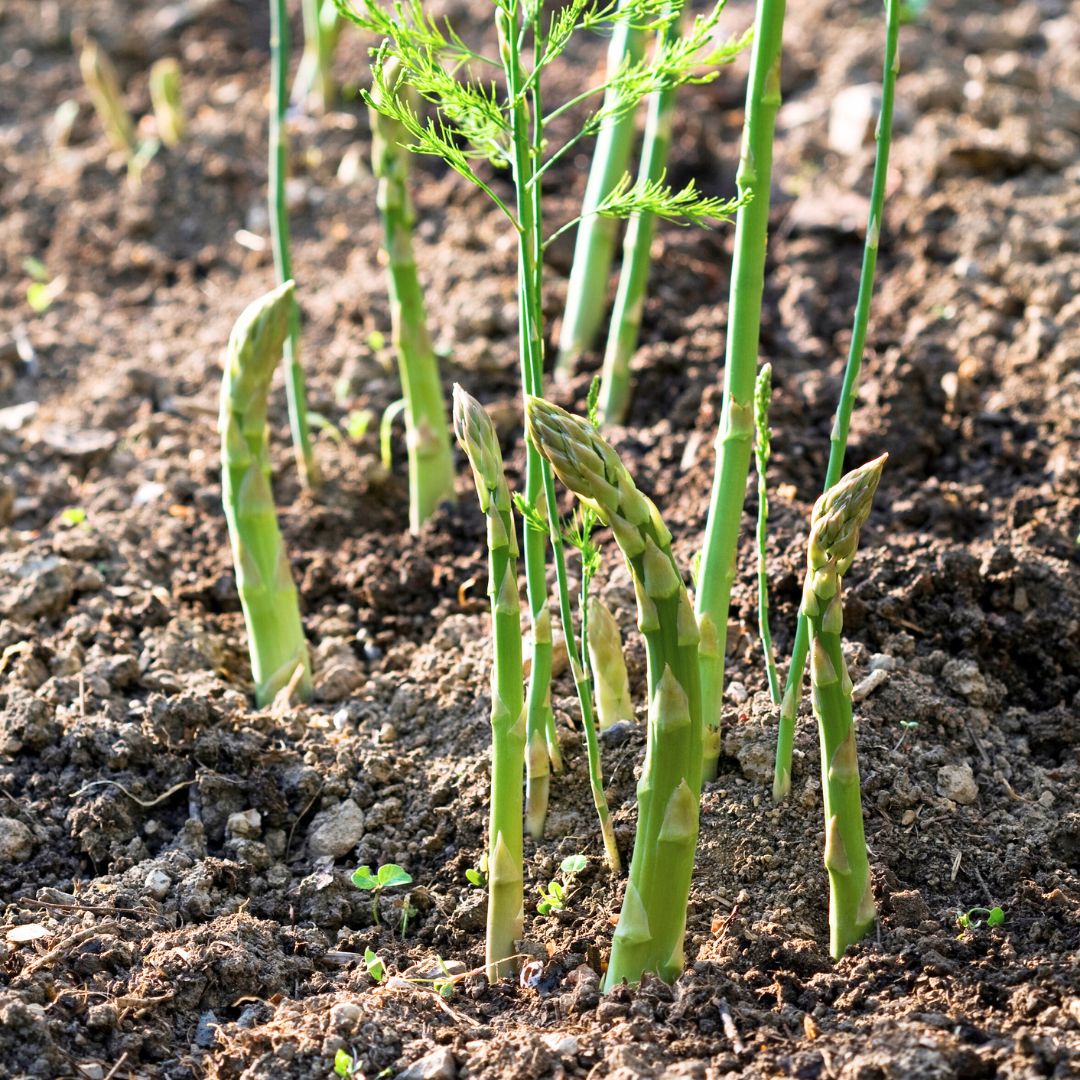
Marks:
<point>103,85</point>
<point>762,452</point>
<point>608,666</point>
<point>834,538</point>
<point>263,576</point>
<point>165,96</point>
<point>476,434</point>
<point>652,924</point>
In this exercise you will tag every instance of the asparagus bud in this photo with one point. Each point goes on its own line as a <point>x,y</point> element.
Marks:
<point>476,434</point>
<point>834,537</point>
<point>263,577</point>
<point>104,86</point>
<point>609,666</point>
<point>165,96</point>
<point>653,919</point>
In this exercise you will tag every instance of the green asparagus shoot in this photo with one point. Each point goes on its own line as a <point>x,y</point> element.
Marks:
<point>386,430</point>
<point>387,877</point>
<point>762,452</point>
<point>314,85</point>
<point>103,85</point>
<point>165,97</point>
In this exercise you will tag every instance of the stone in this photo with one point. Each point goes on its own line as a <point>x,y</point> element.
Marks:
<point>737,693</point>
<point>883,662</point>
<point>245,823</point>
<point>345,1016</point>
<point>963,677</point>
<point>157,884</point>
<point>438,1065</point>
<point>338,672</point>
<point>43,586</point>
<point>561,1045</point>
<point>26,723</point>
<point>387,733</point>
<point>335,832</point>
<point>853,117</point>
<point>909,907</point>
<point>756,759</point>
<point>16,841</point>
<point>206,1032</point>
<point>618,733</point>
<point>865,687</point>
<point>957,783</point>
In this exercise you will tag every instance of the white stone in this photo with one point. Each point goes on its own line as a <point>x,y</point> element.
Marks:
<point>438,1065</point>
<point>246,824</point>
<point>561,1045</point>
<point>964,678</point>
<point>16,841</point>
<point>157,884</point>
<point>335,832</point>
<point>883,662</point>
<point>738,693</point>
<point>853,117</point>
<point>957,783</point>
<point>865,687</point>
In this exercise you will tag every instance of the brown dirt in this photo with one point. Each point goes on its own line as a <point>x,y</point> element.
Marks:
<point>177,943</point>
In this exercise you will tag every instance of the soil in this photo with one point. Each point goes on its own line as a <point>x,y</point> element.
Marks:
<point>175,871</point>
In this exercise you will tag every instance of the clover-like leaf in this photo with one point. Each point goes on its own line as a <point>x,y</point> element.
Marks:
<point>363,878</point>
<point>573,864</point>
<point>996,917</point>
<point>392,874</point>
<point>376,968</point>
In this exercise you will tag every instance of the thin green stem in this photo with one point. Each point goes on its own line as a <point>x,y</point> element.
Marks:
<point>586,296</point>
<point>850,390</point>
<point>295,389</point>
<point>733,442</point>
<point>762,453</point>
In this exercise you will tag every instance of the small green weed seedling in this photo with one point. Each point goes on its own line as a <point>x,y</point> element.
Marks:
<point>376,968</point>
<point>965,919</point>
<point>908,726</point>
<point>345,1064</point>
<point>477,875</point>
<point>554,896</point>
<point>386,877</point>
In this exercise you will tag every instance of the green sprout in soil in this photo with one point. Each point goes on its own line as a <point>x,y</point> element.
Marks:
<point>387,877</point>
<point>103,85</point>
<point>346,1064</point>
<point>165,97</point>
<point>264,580</point>
<point>908,726</point>
<point>994,917</point>
<point>553,897</point>
<point>762,452</point>
<point>375,967</point>
<point>477,875</point>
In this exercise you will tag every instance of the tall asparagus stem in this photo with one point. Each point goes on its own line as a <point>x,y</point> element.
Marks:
<point>594,248</point>
<point>263,577</point>
<point>834,538</point>
<point>762,453</point>
<point>652,923</point>
<point>314,82</point>
<point>608,666</point>
<point>476,434</point>
<point>838,442</point>
<point>634,275</point>
<point>744,324</point>
<point>295,389</point>
<point>427,435</point>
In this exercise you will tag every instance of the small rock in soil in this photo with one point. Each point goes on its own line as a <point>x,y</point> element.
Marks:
<point>957,783</point>
<point>438,1065</point>
<point>16,841</point>
<point>964,678</point>
<point>618,733</point>
<point>335,832</point>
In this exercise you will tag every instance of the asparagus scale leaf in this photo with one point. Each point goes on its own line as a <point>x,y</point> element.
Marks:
<point>263,576</point>
<point>652,924</point>
<point>476,434</point>
<point>834,538</point>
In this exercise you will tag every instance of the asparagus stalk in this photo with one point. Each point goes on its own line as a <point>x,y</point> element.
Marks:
<point>762,453</point>
<point>314,83</point>
<point>476,434</point>
<point>608,665</point>
<point>103,85</point>
<point>165,97</point>
<point>850,390</point>
<point>634,275</point>
<point>263,576</point>
<point>834,538</point>
<point>295,390</point>
<point>733,441</point>
<point>653,919</point>
<point>586,293</point>
<point>427,435</point>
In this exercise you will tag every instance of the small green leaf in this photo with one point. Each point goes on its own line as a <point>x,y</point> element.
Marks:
<point>319,421</point>
<point>543,909</point>
<point>996,917</point>
<point>37,296</point>
<point>446,990</point>
<point>557,892</point>
<point>376,968</point>
<point>74,515</point>
<point>573,864</point>
<point>343,1063</point>
<point>358,422</point>
<point>36,269</point>
<point>392,874</point>
<point>364,879</point>
<point>475,877</point>
<point>376,340</point>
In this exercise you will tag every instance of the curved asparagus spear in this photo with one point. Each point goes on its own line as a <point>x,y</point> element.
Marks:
<point>609,666</point>
<point>653,919</point>
<point>838,440</point>
<point>263,576</point>
<point>834,538</point>
<point>740,369</point>
<point>427,435</point>
<point>476,433</point>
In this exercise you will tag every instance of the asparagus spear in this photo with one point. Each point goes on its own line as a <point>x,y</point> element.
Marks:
<point>263,576</point>
<point>609,666</point>
<point>834,538</point>
<point>427,435</point>
<point>476,434</point>
<point>103,85</point>
<point>165,96</point>
<point>653,919</point>
<point>762,453</point>
<point>850,390</point>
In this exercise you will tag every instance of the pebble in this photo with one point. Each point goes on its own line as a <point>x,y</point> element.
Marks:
<point>561,1045</point>
<point>335,832</point>
<point>883,662</point>
<point>157,884</point>
<point>246,824</point>
<point>16,841</point>
<point>618,733</point>
<point>957,783</point>
<point>438,1065</point>
<point>865,687</point>
<point>738,693</point>
<point>387,733</point>
<point>206,1032</point>
<point>963,677</point>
